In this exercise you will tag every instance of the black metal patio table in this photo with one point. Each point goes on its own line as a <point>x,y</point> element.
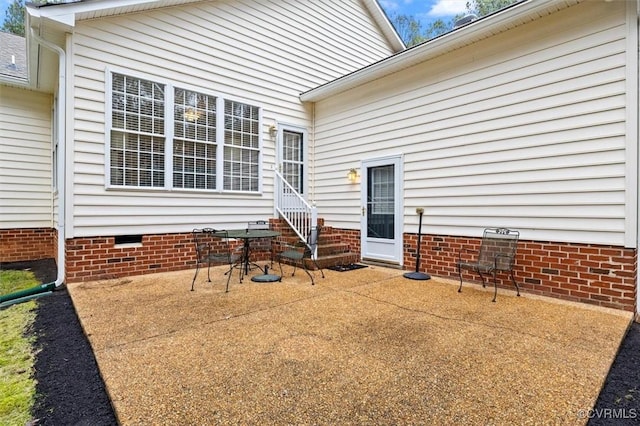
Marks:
<point>247,235</point>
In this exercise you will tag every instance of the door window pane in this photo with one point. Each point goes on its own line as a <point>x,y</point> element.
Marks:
<point>381,202</point>
<point>293,159</point>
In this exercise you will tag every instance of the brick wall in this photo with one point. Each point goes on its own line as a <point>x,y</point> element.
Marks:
<point>587,273</point>
<point>352,238</point>
<point>100,258</point>
<point>597,275</point>
<point>27,244</point>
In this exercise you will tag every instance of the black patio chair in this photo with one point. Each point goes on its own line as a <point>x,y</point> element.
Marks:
<point>213,248</point>
<point>497,254</point>
<point>260,244</point>
<point>300,252</point>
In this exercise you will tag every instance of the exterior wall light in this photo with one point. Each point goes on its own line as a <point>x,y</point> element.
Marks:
<point>352,175</point>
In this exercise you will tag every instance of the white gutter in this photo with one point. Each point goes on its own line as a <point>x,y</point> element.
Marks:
<point>60,126</point>
<point>483,27</point>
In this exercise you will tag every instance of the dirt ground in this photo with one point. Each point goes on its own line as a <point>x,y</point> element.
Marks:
<point>71,391</point>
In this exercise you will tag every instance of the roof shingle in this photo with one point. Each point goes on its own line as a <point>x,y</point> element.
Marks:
<point>13,56</point>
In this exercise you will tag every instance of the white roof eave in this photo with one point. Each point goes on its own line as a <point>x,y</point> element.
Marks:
<point>385,25</point>
<point>57,17</point>
<point>430,49</point>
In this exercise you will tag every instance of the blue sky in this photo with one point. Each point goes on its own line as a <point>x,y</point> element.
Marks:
<point>424,11</point>
<point>4,4</point>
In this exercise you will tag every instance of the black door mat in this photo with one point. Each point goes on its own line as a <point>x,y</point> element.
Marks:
<point>349,267</point>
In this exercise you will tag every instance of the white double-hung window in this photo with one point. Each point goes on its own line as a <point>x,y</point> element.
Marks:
<point>241,147</point>
<point>194,143</point>
<point>137,132</point>
<point>167,137</point>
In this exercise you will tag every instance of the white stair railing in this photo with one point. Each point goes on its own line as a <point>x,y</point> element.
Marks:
<point>295,210</point>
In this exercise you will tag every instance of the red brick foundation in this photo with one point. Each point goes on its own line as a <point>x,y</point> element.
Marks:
<point>100,258</point>
<point>18,245</point>
<point>586,273</point>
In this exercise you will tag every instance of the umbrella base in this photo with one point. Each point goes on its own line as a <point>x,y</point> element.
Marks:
<point>417,276</point>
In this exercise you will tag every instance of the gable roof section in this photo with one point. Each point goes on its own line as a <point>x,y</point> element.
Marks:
<point>13,58</point>
<point>65,14</point>
<point>503,20</point>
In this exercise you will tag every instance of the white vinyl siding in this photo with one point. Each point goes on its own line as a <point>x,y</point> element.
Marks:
<point>262,53</point>
<point>523,130</point>
<point>25,159</point>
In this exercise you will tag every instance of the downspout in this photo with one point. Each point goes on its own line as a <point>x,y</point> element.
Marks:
<point>637,142</point>
<point>61,169</point>
<point>313,154</point>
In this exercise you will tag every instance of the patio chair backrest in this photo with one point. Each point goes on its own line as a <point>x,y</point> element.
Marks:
<point>201,241</point>
<point>212,246</point>
<point>498,247</point>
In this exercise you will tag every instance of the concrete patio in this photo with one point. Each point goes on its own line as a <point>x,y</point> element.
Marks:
<point>360,347</point>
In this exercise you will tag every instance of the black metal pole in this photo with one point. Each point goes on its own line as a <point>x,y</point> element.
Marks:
<point>419,242</point>
<point>418,275</point>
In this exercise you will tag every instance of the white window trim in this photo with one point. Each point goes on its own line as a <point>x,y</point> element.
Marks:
<point>170,87</point>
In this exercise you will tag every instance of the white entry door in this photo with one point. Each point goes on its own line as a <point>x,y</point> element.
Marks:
<point>292,156</point>
<point>381,222</point>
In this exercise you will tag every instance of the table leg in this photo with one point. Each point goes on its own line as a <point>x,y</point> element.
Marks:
<point>246,256</point>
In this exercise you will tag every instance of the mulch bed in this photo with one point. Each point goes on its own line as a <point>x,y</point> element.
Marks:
<point>71,391</point>
<point>619,399</point>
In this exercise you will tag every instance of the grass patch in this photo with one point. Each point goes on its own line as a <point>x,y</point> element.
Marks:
<point>17,385</point>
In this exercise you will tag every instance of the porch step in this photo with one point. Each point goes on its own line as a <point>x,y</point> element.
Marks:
<point>335,260</point>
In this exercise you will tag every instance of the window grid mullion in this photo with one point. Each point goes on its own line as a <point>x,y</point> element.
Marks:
<point>168,131</point>
<point>220,144</point>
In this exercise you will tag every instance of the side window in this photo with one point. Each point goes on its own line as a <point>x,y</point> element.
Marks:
<point>163,136</point>
<point>241,147</point>
<point>137,139</point>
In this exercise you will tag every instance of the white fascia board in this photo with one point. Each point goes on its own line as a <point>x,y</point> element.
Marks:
<point>66,14</point>
<point>32,46</point>
<point>7,80</point>
<point>58,18</point>
<point>430,49</point>
<point>387,28</point>
<point>52,10</point>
